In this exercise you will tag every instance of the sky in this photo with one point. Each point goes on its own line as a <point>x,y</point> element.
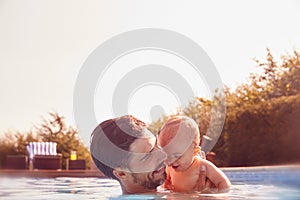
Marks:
<point>44,44</point>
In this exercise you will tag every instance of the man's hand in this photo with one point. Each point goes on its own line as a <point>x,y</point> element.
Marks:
<point>203,184</point>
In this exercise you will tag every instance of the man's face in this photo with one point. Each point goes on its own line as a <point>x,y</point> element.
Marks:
<point>146,163</point>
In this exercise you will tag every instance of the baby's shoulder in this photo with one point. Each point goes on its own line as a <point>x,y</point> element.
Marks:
<point>200,161</point>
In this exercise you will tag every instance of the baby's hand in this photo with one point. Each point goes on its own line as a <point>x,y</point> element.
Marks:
<point>169,187</point>
<point>168,184</point>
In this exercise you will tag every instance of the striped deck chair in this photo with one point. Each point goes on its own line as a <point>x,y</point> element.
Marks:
<point>43,155</point>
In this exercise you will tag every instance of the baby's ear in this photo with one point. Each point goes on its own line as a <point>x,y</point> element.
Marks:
<point>197,149</point>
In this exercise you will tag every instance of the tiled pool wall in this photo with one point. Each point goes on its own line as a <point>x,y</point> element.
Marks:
<point>265,175</point>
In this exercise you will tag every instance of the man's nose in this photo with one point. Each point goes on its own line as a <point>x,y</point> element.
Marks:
<point>169,161</point>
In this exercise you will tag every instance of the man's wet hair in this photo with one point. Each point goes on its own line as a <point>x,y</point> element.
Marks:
<point>111,140</point>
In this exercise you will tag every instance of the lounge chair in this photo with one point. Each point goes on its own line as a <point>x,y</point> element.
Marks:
<point>43,155</point>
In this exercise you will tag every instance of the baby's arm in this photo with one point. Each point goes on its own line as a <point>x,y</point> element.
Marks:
<point>216,176</point>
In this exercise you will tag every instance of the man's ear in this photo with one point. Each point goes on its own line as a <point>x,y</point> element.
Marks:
<point>119,173</point>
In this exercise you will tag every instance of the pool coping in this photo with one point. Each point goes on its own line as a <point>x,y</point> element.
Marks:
<point>98,174</point>
<point>50,173</point>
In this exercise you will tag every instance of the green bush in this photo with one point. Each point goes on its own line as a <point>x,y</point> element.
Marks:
<point>265,134</point>
<point>262,116</point>
<point>51,129</point>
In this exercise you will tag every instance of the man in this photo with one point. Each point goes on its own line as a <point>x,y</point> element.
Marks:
<point>125,150</point>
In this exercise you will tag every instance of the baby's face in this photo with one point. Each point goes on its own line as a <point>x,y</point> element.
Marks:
<point>180,153</point>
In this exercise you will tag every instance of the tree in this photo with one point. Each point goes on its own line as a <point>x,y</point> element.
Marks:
<point>54,129</point>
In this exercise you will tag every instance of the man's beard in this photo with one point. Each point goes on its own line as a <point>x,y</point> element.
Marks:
<point>150,183</point>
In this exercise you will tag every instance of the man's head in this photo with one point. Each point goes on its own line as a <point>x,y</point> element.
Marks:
<point>125,150</point>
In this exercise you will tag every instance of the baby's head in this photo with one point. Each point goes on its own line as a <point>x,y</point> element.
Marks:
<point>178,135</point>
<point>179,125</point>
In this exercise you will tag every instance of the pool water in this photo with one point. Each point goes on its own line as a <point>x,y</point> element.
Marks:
<point>274,183</point>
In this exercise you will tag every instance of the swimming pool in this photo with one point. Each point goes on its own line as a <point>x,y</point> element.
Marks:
<point>248,183</point>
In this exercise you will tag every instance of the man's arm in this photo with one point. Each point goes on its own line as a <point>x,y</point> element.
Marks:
<point>216,176</point>
<point>203,184</point>
<point>211,179</point>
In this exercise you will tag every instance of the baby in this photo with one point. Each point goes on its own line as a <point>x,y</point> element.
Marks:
<point>180,137</point>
